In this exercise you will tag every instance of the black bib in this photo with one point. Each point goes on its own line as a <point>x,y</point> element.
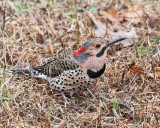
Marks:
<point>97,74</point>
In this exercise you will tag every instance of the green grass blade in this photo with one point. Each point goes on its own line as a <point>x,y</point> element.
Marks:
<point>115,112</point>
<point>140,49</point>
<point>104,103</point>
<point>50,110</point>
<point>115,106</point>
<point>135,45</point>
<point>114,102</point>
<point>145,51</point>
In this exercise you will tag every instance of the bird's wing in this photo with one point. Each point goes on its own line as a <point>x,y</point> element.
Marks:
<point>57,65</point>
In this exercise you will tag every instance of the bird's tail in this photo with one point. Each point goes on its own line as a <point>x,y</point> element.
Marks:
<point>31,72</point>
<point>19,72</point>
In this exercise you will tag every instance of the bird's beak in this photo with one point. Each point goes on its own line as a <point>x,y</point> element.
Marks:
<point>114,41</point>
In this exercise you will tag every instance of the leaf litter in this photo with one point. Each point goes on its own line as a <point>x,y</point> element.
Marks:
<point>46,29</point>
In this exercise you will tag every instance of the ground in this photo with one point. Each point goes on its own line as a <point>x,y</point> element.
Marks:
<point>33,31</point>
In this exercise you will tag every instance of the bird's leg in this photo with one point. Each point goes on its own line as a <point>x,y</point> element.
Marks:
<point>66,100</point>
<point>92,94</point>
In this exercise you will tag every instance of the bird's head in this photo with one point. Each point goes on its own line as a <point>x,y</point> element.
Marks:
<point>94,47</point>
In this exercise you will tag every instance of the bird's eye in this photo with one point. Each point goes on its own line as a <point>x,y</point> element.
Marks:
<point>98,45</point>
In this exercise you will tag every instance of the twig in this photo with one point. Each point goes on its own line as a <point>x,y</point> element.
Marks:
<point>4,19</point>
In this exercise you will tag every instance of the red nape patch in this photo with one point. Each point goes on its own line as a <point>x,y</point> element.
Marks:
<point>77,53</point>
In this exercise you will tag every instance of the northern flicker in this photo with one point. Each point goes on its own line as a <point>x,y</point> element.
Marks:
<point>71,72</point>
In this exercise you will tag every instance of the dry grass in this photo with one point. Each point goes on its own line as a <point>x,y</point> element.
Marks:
<point>36,31</point>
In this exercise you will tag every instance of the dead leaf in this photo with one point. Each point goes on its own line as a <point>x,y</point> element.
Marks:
<point>118,18</point>
<point>158,72</point>
<point>136,70</point>
<point>136,16</point>
<point>127,42</point>
<point>121,19</point>
<point>112,15</point>
<point>100,27</point>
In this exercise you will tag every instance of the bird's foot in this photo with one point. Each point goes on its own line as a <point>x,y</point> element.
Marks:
<point>67,102</point>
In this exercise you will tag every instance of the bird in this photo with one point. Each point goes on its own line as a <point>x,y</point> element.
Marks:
<point>75,71</point>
